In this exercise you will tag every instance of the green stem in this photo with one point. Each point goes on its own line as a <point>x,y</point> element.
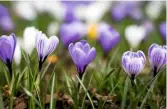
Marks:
<point>12,89</point>
<point>124,94</point>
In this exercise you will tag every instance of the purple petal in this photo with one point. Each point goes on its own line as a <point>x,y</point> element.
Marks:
<point>53,42</point>
<point>78,57</point>
<point>142,56</point>
<point>157,57</point>
<point>162,29</point>
<point>86,48</point>
<point>83,42</point>
<point>41,45</point>
<point>151,48</point>
<point>70,48</point>
<point>71,32</point>
<point>108,37</point>
<point>134,67</point>
<point>5,49</point>
<point>91,55</point>
<point>79,45</point>
<point>125,58</point>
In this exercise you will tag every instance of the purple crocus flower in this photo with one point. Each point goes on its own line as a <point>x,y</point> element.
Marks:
<point>82,55</point>
<point>162,29</point>
<point>7,49</point>
<point>108,37</point>
<point>133,63</point>
<point>71,32</point>
<point>5,20</point>
<point>127,8</point>
<point>157,56</point>
<point>45,46</point>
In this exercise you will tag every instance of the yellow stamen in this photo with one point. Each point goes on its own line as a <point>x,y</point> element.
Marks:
<point>52,59</point>
<point>92,31</point>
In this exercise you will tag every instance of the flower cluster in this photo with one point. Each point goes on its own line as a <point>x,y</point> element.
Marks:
<point>81,52</point>
<point>134,62</point>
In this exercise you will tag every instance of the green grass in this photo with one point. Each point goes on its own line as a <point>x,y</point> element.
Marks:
<point>105,74</point>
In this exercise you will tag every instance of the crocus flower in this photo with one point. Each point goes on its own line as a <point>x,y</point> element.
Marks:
<point>25,10</point>
<point>154,8</point>
<point>82,55</point>
<point>157,56</point>
<point>134,34</point>
<point>28,42</point>
<point>93,12</point>
<point>71,32</point>
<point>45,46</point>
<point>162,29</point>
<point>108,37</point>
<point>7,49</point>
<point>5,20</point>
<point>127,8</point>
<point>17,54</point>
<point>70,8</point>
<point>133,63</point>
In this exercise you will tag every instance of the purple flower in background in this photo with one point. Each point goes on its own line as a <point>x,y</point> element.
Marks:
<point>7,49</point>
<point>70,7</point>
<point>162,29</point>
<point>45,46</point>
<point>5,20</point>
<point>133,63</point>
<point>71,32</point>
<point>127,8</point>
<point>157,56</point>
<point>108,37</point>
<point>82,55</point>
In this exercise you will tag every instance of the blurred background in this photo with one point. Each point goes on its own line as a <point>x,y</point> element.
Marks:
<point>138,24</point>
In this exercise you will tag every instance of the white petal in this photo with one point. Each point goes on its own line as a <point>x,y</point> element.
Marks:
<point>53,28</point>
<point>29,37</point>
<point>134,35</point>
<point>25,10</point>
<point>154,8</point>
<point>17,54</point>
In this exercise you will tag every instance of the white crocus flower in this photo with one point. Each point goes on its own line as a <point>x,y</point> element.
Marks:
<point>29,37</point>
<point>25,10</point>
<point>56,9</point>
<point>93,12</point>
<point>17,53</point>
<point>134,35</point>
<point>53,28</point>
<point>154,8</point>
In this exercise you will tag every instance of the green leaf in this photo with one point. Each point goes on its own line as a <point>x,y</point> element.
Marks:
<point>86,92</point>
<point>124,94</point>
<point>1,101</point>
<point>106,78</point>
<point>52,93</point>
<point>31,95</point>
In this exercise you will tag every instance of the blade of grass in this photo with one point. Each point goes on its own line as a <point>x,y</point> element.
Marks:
<point>37,91</point>
<point>52,93</point>
<point>83,101</point>
<point>113,57</point>
<point>106,78</point>
<point>20,76</point>
<point>68,83</point>
<point>124,94</point>
<point>112,91</point>
<point>32,96</point>
<point>148,92</point>
<point>86,92</point>
<point>1,101</point>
